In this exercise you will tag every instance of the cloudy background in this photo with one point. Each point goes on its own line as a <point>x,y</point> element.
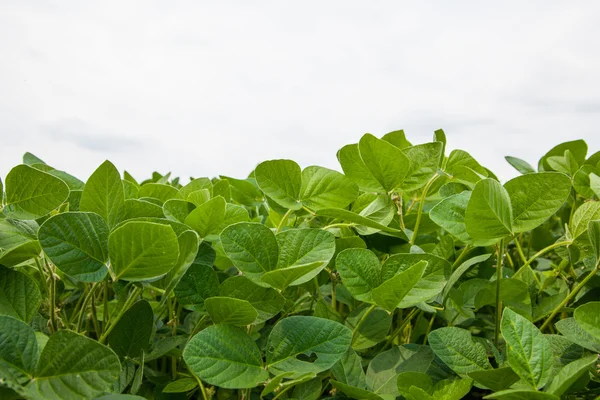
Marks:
<point>209,88</point>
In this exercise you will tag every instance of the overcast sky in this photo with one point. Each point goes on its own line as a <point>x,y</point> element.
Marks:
<point>209,88</point>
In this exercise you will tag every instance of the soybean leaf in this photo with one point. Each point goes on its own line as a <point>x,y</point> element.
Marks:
<point>388,164</point>
<point>296,341</point>
<point>585,213</point>
<point>452,389</point>
<point>349,216</point>
<point>348,370</point>
<point>397,138</point>
<point>373,329</point>
<point>140,250</point>
<point>252,248</point>
<point>450,215</point>
<point>199,283</point>
<point>325,188</point>
<point>588,318</point>
<point>355,169</point>
<point>578,149</point>
<point>31,193</point>
<point>158,191</point>
<point>267,302</point>
<point>495,379</point>
<point>529,352</point>
<point>77,243</point>
<point>283,277</point>
<point>489,213</point>
<point>360,271</point>
<point>225,356</point>
<point>20,296</point>
<point>177,209</point>
<point>520,165</point>
<point>207,219</point>
<point>419,379</point>
<point>73,366</point>
<point>456,348</point>
<point>18,350</point>
<point>521,394</point>
<point>575,333</point>
<point>594,234</point>
<point>391,292</point>
<point>355,392</point>
<point>458,272</point>
<point>182,385</point>
<point>103,194</point>
<point>131,334</point>
<point>570,374</point>
<point>376,207</point>
<point>227,310</point>
<point>424,162</point>
<point>280,180</point>
<point>536,197</point>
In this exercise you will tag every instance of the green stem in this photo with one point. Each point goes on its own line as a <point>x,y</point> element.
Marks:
<point>420,209</point>
<point>498,301</point>
<point>52,295</point>
<point>570,296</point>
<point>316,282</point>
<point>403,325</point>
<point>360,323</point>
<point>284,220</point>
<point>333,299</point>
<point>136,292</point>
<point>544,251</point>
<point>105,317</point>
<point>42,274</point>
<point>340,225</point>
<point>201,386</point>
<point>520,251</point>
<point>84,306</point>
<point>431,321</point>
<point>461,256</point>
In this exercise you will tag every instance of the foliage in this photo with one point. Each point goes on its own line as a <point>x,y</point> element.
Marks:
<point>413,274</point>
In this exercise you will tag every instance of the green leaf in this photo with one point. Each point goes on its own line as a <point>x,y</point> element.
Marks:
<point>536,197</point>
<point>391,292</point>
<point>177,209</point>
<point>73,366</point>
<point>283,277</point>
<point>376,207</point>
<point>424,162</point>
<point>397,138</point>
<point>131,334</point>
<point>325,188</point>
<point>349,216</point>
<point>594,234</point>
<point>456,348</point>
<point>360,271</point>
<point>194,186</point>
<point>354,392</point>
<point>529,352</point>
<point>136,208</point>
<point>450,214</point>
<point>578,149</point>
<point>373,329</point>
<point>355,169</point>
<point>495,379</point>
<point>452,389</point>
<point>158,191</point>
<point>588,318</point>
<point>489,213</point>
<point>384,368</point>
<point>252,248</point>
<point>571,373</point>
<point>419,379</point>
<point>302,345</point>
<point>225,356</point>
<point>199,283</point>
<point>520,165</point>
<point>280,180</point>
<point>388,164</point>
<point>458,272</point>
<point>207,219</point>
<point>267,302</point>
<point>141,250</point>
<point>77,243</point>
<point>20,296</point>
<point>521,394</point>
<point>103,194</point>
<point>569,328</point>
<point>589,211</point>
<point>349,370</point>
<point>227,310</point>
<point>181,386</point>
<point>18,350</point>
<point>18,241</point>
<point>31,193</point>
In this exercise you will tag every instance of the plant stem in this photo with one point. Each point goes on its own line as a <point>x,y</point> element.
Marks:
<point>333,299</point>
<point>403,325</point>
<point>420,209</point>
<point>105,317</point>
<point>520,251</point>
<point>340,225</point>
<point>498,301</point>
<point>201,386</point>
<point>431,321</point>
<point>544,251</point>
<point>125,307</point>
<point>84,306</point>
<point>360,323</point>
<point>284,220</point>
<point>52,295</point>
<point>460,257</point>
<point>571,295</point>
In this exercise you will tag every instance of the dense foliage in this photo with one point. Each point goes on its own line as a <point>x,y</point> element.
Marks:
<point>413,274</point>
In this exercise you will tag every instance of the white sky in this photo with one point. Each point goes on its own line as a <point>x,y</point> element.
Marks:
<point>206,89</point>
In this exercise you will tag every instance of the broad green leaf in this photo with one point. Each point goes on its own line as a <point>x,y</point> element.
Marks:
<point>302,345</point>
<point>252,248</point>
<point>267,302</point>
<point>355,169</point>
<point>384,368</point>
<point>189,247</point>
<point>283,277</point>
<point>450,215</point>
<point>529,352</point>
<point>571,373</point>
<point>451,389</point>
<point>158,191</point>
<point>578,149</point>
<point>77,243</point>
<point>225,356</point>
<point>376,207</point>
<point>565,164</point>
<point>141,250</point>
<point>20,296</point>
<point>207,219</point>
<point>349,216</point>
<point>136,208</point>
<point>199,283</point>
<point>280,180</point>
<point>103,194</point>
<point>391,292</point>
<point>355,392</point>
<point>594,234</point>
<point>182,385</point>
<point>30,159</point>
<point>589,211</point>
<point>495,379</point>
<point>31,193</point>
<point>309,390</point>
<point>227,310</point>
<point>432,281</point>
<point>131,334</point>
<point>460,159</point>
<point>194,186</point>
<point>18,350</point>
<point>360,271</point>
<point>233,215</point>
<point>458,272</point>
<point>373,329</point>
<point>244,192</point>
<point>588,318</point>
<point>457,349</point>
<point>521,394</point>
<point>489,213</point>
<point>397,138</point>
<point>349,370</point>
<point>388,164</point>
<point>536,197</point>
<point>424,162</point>
<point>177,209</point>
<point>520,165</point>
<point>73,366</point>
<point>569,328</point>
<point>119,397</point>
<point>326,188</point>
<point>419,379</point>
